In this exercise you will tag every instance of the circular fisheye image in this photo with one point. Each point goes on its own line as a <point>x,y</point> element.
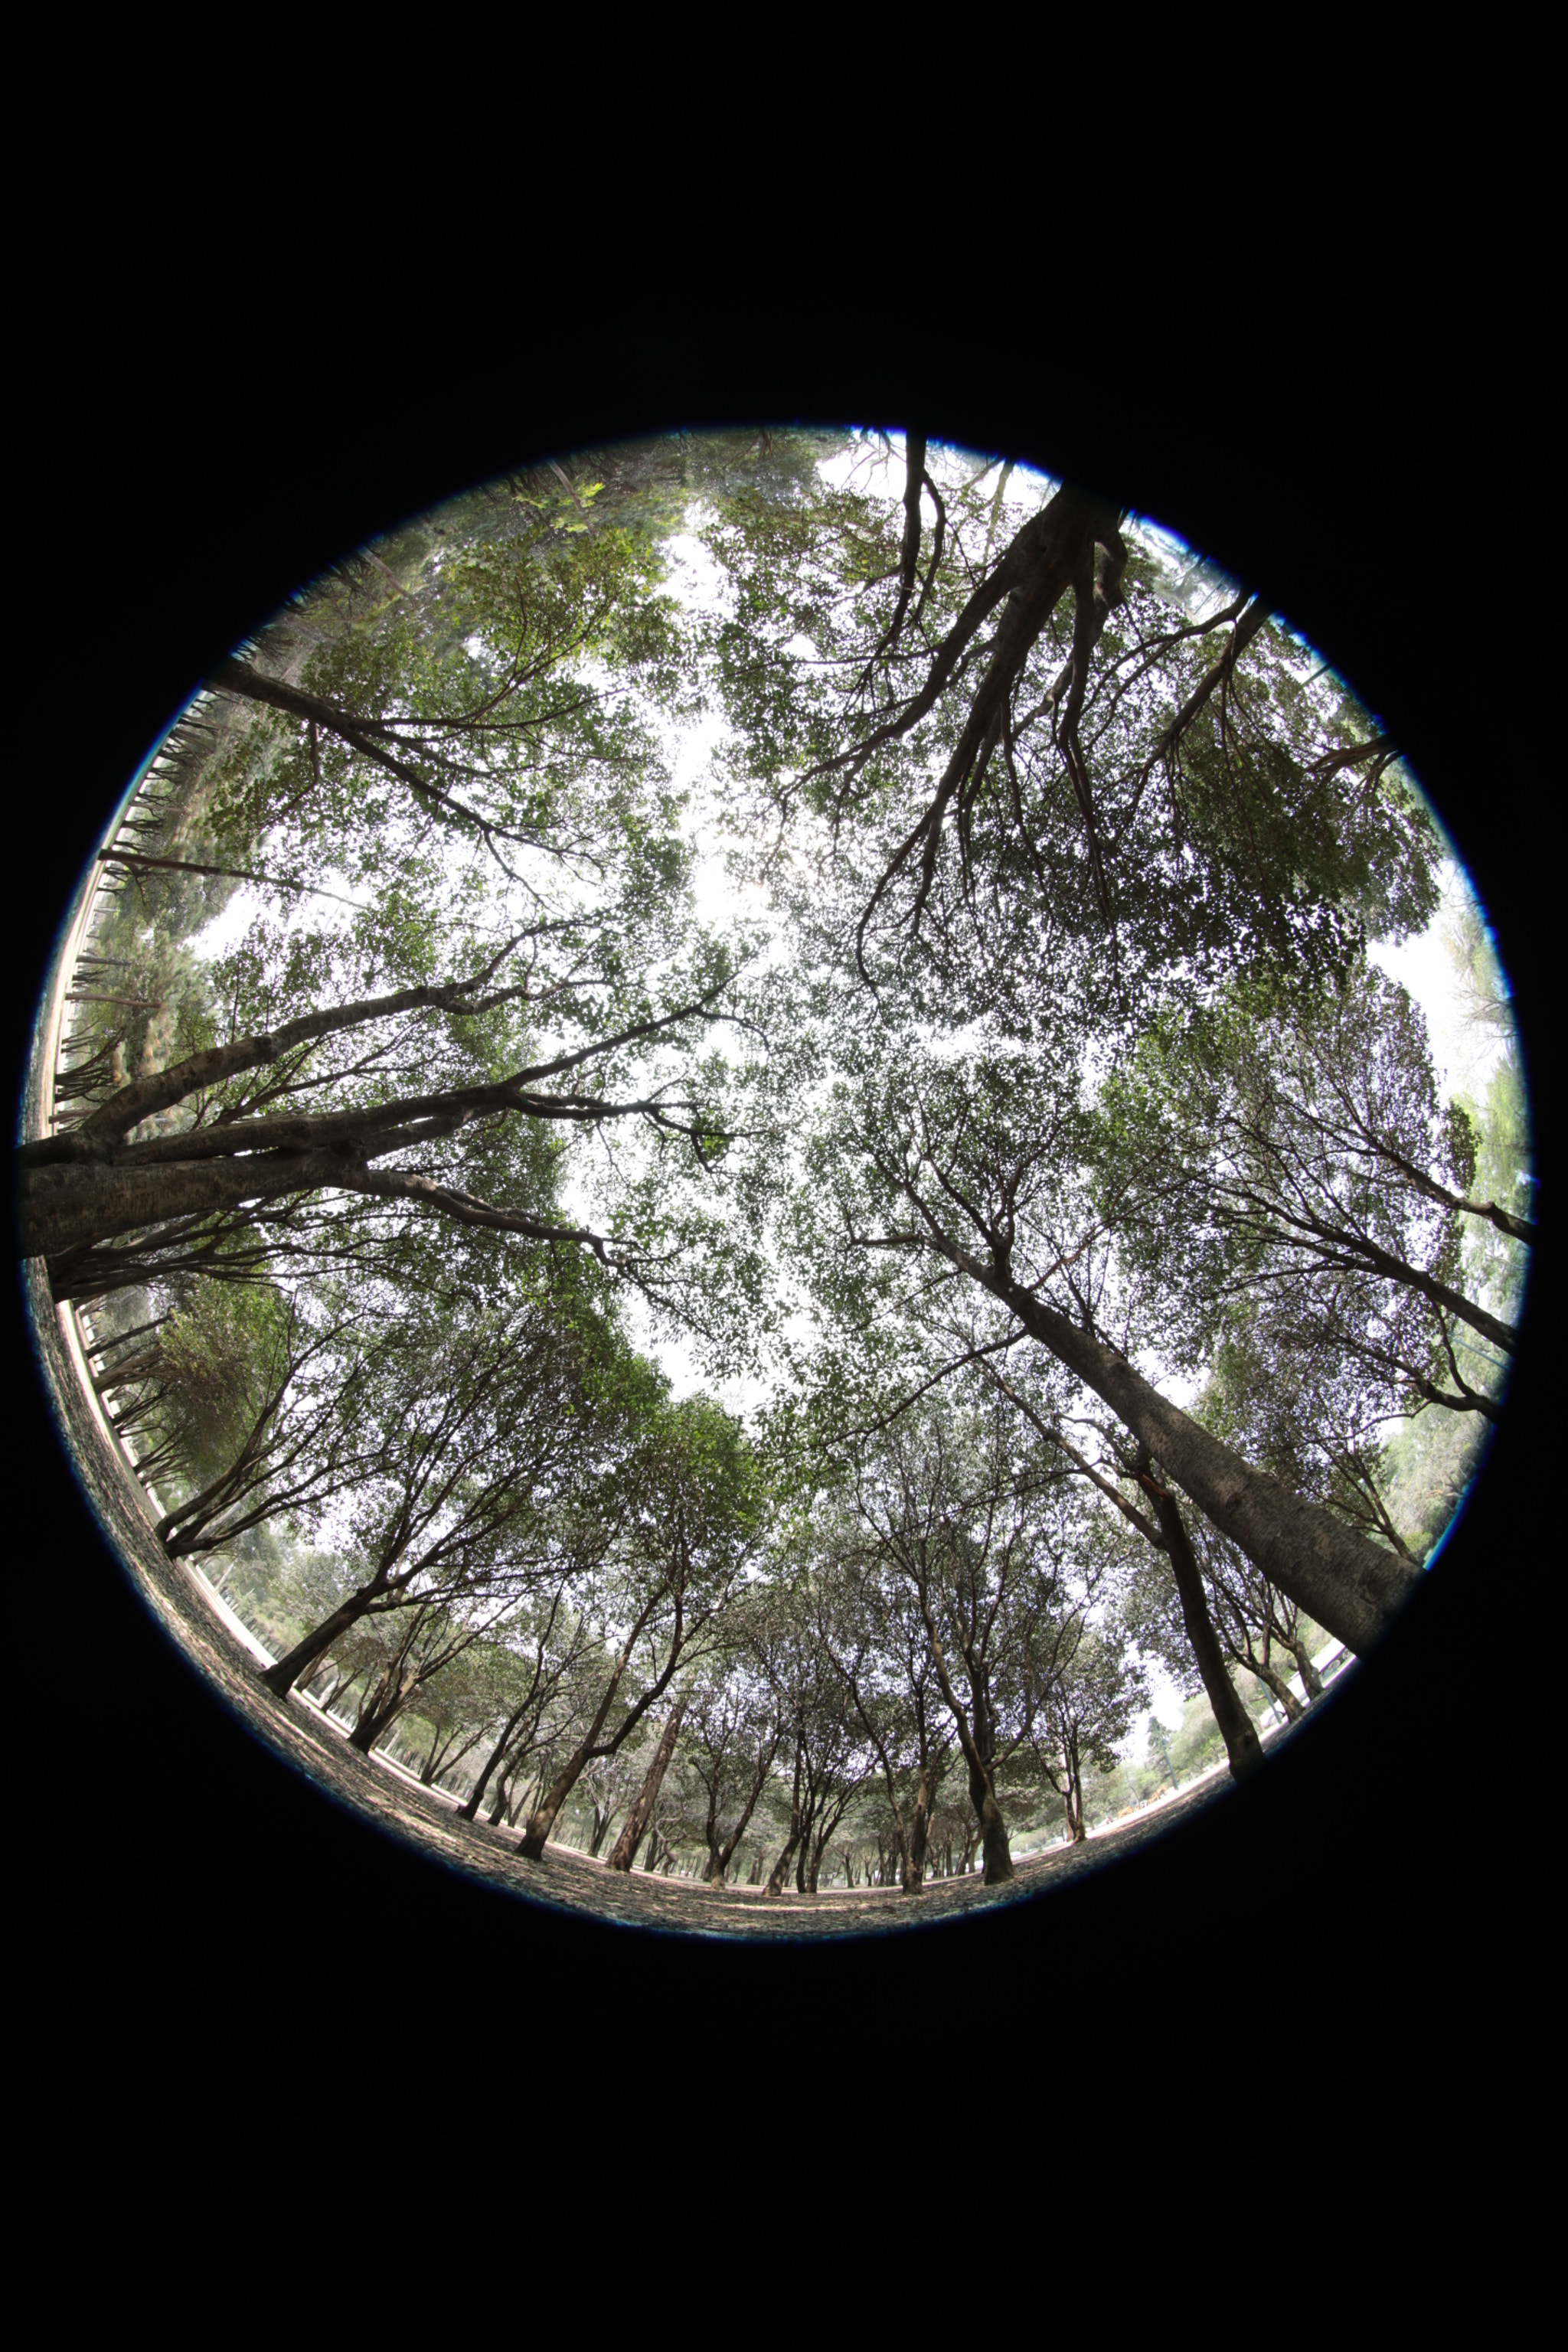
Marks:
<point>775,1181</point>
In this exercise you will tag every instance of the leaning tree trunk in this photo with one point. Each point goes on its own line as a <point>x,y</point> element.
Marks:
<point>780,1870</point>
<point>468,1810</point>
<point>371,1728</point>
<point>637,1820</point>
<point>283,1677</point>
<point>542,1821</point>
<point>1348,1585</point>
<point>722,1853</point>
<point>1311,1680</point>
<point>1279,1689</point>
<point>1242,1745</point>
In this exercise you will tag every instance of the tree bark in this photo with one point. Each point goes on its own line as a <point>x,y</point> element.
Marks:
<point>1311,1680</point>
<point>722,1852</point>
<point>631,1836</point>
<point>1314,1235</point>
<point>282,1677</point>
<point>468,1810</point>
<point>914,1869</point>
<point>982,1787</point>
<point>776,1876</point>
<point>993,1827</point>
<point>1072,1798</point>
<point>372,1726</point>
<point>542,1821</point>
<point>1275,1682</point>
<point>61,1210</point>
<point>601,1823</point>
<point>1344,1583</point>
<point>1242,1745</point>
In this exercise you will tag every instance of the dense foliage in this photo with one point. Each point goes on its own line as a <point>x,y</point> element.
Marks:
<point>1019,1110</point>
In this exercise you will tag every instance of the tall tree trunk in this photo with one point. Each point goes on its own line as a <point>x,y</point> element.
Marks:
<point>993,1827</point>
<point>914,1868</point>
<point>283,1677</point>
<point>722,1853</point>
<point>341,1683</point>
<point>601,1823</point>
<point>637,1820</point>
<point>468,1810</point>
<point>780,1870</point>
<point>1345,1583</point>
<point>1078,1828</point>
<point>63,1209</point>
<point>803,1851</point>
<point>542,1821</point>
<point>776,1876</point>
<point>982,1787</point>
<point>448,1760</point>
<point>1242,1745</point>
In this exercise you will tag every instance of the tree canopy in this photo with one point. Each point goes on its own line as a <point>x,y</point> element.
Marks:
<point>906,931</point>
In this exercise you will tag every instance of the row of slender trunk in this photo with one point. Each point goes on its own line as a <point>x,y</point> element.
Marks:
<point>814,1816</point>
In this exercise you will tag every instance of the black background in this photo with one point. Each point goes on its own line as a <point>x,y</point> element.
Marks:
<point>206,425</point>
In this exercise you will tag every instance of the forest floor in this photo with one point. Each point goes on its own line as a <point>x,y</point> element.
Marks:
<point>210,1638</point>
